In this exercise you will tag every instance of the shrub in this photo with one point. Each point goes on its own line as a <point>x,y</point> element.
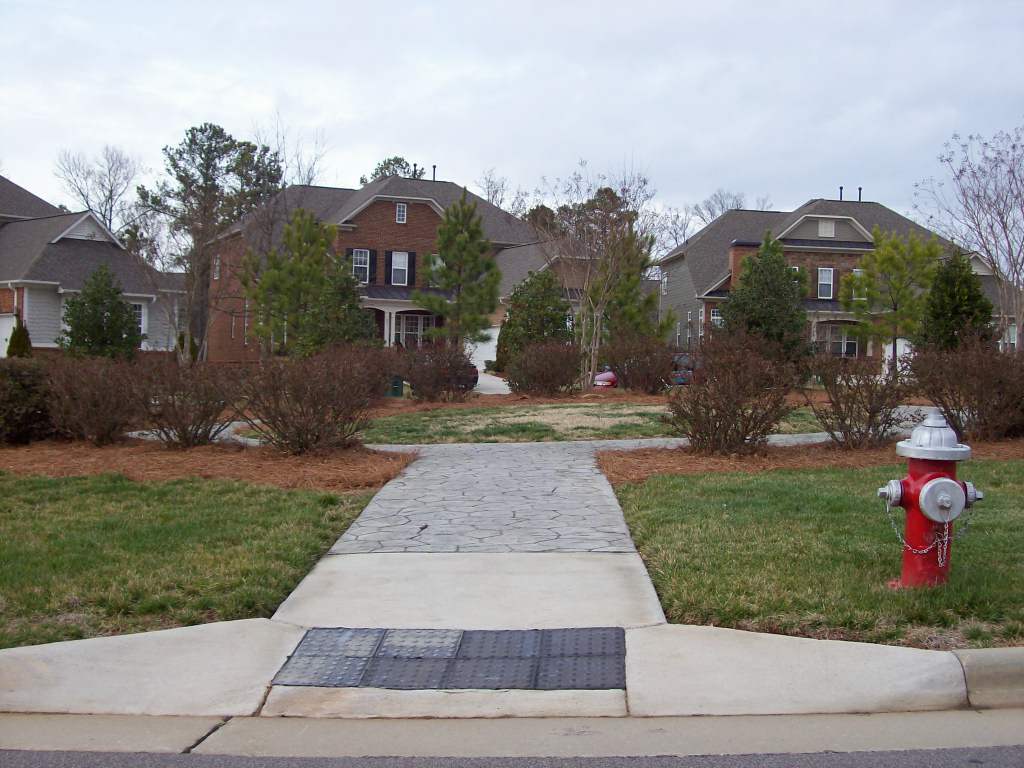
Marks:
<point>641,363</point>
<point>184,405</point>
<point>979,389</point>
<point>863,401</point>
<point>90,397</point>
<point>738,397</point>
<point>314,403</point>
<point>20,343</point>
<point>548,368</point>
<point>24,411</point>
<point>439,372</point>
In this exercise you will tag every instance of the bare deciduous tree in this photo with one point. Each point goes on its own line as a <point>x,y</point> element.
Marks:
<point>597,224</point>
<point>101,183</point>
<point>979,205</point>
<point>717,203</point>
<point>675,225</point>
<point>301,157</point>
<point>497,191</point>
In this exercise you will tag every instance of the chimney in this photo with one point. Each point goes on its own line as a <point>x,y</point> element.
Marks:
<point>840,192</point>
<point>434,176</point>
<point>859,189</point>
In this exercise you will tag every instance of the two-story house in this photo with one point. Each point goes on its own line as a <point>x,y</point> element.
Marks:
<point>47,254</point>
<point>386,231</point>
<point>826,238</point>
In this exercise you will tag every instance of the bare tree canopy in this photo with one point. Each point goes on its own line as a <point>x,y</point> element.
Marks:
<point>979,205</point>
<point>394,166</point>
<point>300,156</point>
<point>722,200</point>
<point>675,225</point>
<point>497,190</point>
<point>101,183</point>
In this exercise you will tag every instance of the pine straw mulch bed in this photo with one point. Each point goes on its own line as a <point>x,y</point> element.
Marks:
<point>141,460</point>
<point>621,467</point>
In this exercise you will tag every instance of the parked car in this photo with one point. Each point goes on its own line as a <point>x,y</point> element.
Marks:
<point>606,378</point>
<point>682,369</point>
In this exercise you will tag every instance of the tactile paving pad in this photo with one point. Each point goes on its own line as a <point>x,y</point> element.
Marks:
<point>591,658</point>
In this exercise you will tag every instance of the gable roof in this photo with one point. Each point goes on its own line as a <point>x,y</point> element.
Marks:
<point>18,203</point>
<point>500,227</point>
<point>707,252</point>
<point>34,250</point>
<point>516,263</point>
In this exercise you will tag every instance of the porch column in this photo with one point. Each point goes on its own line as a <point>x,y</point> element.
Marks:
<point>389,327</point>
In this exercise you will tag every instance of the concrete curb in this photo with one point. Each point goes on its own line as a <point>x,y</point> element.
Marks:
<point>994,676</point>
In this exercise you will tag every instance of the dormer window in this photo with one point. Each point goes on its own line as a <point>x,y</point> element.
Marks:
<point>826,228</point>
<point>401,212</point>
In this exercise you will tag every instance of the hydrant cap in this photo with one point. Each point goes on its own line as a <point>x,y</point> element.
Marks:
<point>933,439</point>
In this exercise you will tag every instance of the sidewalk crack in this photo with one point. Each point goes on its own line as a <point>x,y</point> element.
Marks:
<point>208,734</point>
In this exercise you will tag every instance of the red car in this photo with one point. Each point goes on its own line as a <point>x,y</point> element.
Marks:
<point>606,378</point>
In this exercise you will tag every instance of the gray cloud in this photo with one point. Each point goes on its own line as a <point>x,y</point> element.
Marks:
<point>790,99</point>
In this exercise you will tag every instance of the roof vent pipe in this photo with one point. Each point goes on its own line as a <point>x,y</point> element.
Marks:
<point>414,170</point>
<point>859,189</point>
<point>434,175</point>
<point>840,192</point>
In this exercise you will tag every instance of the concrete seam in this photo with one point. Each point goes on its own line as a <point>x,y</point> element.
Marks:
<point>963,671</point>
<point>205,736</point>
<point>263,699</point>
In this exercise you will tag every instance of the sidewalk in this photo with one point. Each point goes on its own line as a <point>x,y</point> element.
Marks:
<point>516,547</point>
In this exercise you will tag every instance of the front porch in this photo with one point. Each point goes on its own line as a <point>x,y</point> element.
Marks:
<point>400,322</point>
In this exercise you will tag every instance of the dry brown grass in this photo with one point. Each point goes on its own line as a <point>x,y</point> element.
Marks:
<point>636,466</point>
<point>141,460</point>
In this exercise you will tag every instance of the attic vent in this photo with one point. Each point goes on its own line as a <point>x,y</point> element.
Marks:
<point>826,228</point>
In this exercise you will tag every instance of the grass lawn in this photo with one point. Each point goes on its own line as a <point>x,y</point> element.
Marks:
<point>809,552</point>
<point>86,556</point>
<point>572,421</point>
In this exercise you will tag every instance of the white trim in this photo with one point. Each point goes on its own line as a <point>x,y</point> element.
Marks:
<point>853,222</point>
<point>361,252</point>
<point>831,283</point>
<point>100,224</point>
<point>826,227</point>
<point>405,269</point>
<point>715,287</point>
<point>401,213</point>
<point>392,198</point>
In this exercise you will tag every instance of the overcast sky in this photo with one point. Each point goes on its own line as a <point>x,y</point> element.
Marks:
<point>781,98</point>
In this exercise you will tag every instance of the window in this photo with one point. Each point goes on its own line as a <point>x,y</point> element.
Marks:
<point>399,268</point>
<point>826,228</point>
<point>664,284</point>
<point>1009,340</point>
<point>825,282</point>
<point>216,266</point>
<point>361,265</point>
<point>700,323</point>
<point>716,317</point>
<point>679,328</point>
<point>137,313</point>
<point>858,290</point>
<point>839,340</point>
<point>401,212</point>
<point>411,330</point>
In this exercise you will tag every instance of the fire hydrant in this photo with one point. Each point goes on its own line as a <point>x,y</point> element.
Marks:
<point>932,497</point>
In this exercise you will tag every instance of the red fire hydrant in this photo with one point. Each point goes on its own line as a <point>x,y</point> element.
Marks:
<point>932,497</point>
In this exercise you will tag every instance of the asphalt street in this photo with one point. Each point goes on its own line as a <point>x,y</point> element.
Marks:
<point>991,757</point>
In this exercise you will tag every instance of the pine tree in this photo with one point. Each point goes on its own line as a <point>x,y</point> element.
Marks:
<point>20,345</point>
<point>767,300</point>
<point>889,293</point>
<point>537,311</point>
<point>304,296</point>
<point>98,321</point>
<point>465,274</point>
<point>957,307</point>
<point>632,312</point>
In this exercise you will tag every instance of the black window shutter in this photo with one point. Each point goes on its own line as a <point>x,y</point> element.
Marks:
<point>387,267</point>
<point>373,268</point>
<point>411,280</point>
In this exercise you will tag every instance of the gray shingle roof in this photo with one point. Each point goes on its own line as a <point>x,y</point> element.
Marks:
<point>18,202</point>
<point>516,263</point>
<point>707,252</point>
<point>28,253</point>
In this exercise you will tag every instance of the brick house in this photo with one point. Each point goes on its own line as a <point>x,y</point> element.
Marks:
<point>386,231</point>
<point>47,254</point>
<point>826,238</point>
